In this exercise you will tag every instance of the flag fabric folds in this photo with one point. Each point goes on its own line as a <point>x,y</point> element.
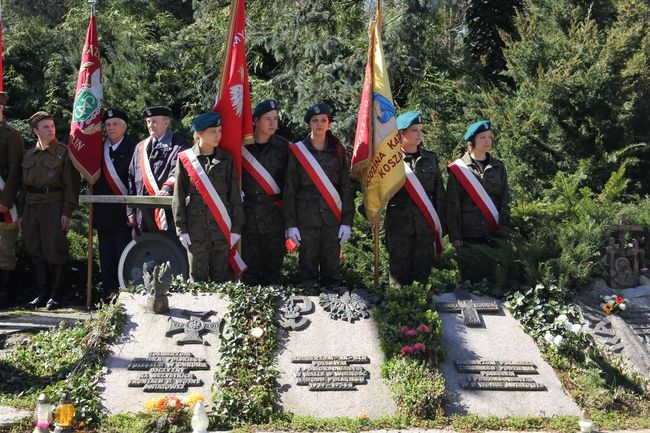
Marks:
<point>377,155</point>
<point>85,144</point>
<point>233,100</point>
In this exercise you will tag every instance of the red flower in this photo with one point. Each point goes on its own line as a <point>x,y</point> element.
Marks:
<point>619,300</point>
<point>406,350</point>
<point>411,332</point>
<point>419,346</point>
<point>403,329</point>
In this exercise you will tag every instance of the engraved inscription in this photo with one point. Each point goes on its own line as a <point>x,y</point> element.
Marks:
<point>167,371</point>
<point>498,375</point>
<point>331,373</point>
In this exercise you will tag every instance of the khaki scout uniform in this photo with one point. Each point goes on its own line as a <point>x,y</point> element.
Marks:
<point>409,237</point>
<point>306,209</point>
<point>466,222</point>
<point>12,148</point>
<point>263,242</point>
<point>209,252</point>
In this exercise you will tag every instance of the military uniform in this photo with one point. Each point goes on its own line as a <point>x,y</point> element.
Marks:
<point>110,219</point>
<point>50,189</point>
<point>209,251</point>
<point>11,155</point>
<point>162,154</point>
<point>465,221</point>
<point>263,243</point>
<point>305,208</point>
<point>409,237</point>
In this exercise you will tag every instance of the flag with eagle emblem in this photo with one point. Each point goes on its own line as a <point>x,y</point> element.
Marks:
<point>233,100</point>
<point>85,144</point>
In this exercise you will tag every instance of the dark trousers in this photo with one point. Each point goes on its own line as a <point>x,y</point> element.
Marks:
<point>410,257</point>
<point>319,256</point>
<point>111,245</point>
<point>263,253</point>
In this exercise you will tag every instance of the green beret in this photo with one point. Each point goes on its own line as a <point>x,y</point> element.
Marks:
<point>477,128</point>
<point>37,117</point>
<point>409,118</point>
<point>320,108</point>
<point>3,98</point>
<point>264,107</point>
<point>115,113</point>
<point>156,111</point>
<point>206,120</point>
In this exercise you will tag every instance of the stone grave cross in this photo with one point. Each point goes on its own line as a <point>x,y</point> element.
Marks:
<point>468,308</point>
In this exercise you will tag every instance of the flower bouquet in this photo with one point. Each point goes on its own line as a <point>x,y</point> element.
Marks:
<point>415,341</point>
<point>173,414</point>
<point>613,304</point>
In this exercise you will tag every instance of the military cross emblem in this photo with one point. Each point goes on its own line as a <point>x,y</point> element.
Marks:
<point>110,113</point>
<point>149,113</point>
<point>194,328</point>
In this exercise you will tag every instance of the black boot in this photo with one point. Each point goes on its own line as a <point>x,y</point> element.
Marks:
<point>40,270</point>
<point>5,288</point>
<point>54,302</point>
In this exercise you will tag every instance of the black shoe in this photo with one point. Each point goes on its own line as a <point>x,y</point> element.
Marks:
<point>37,302</point>
<point>52,305</point>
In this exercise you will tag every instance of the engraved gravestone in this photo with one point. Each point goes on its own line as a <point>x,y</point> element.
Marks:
<point>332,373</point>
<point>496,369</point>
<point>146,363</point>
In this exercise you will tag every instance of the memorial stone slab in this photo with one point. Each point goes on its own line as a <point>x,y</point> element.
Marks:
<point>145,363</point>
<point>331,368</point>
<point>497,370</point>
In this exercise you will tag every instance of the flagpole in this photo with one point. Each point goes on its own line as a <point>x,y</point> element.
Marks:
<point>89,268</point>
<point>376,261</point>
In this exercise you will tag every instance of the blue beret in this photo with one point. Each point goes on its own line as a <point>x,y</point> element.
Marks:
<point>264,107</point>
<point>156,111</point>
<point>477,128</point>
<point>320,108</point>
<point>115,113</point>
<point>206,120</point>
<point>409,118</point>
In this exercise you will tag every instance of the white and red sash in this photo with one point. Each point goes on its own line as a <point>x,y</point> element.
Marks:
<point>423,202</point>
<point>477,193</point>
<point>260,174</point>
<point>113,179</point>
<point>152,186</point>
<point>211,198</point>
<point>318,176</point>
<point>10,215</point>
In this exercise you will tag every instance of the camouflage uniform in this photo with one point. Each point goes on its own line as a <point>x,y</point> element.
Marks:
<point>306,209</point>
<point>110,219</point>
<point>208,254</point>
<point>409,237</point>
<point>263,243</point>
<point>162,158</point>
<point>11,156</point>
<point>50,189</point>
<point>466,222</point>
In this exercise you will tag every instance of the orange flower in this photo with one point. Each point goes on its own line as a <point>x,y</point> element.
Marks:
<point>161,404</point>
<point>174,402</point>
<point>607,308</point>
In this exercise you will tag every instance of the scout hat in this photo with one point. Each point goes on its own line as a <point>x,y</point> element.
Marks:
<point>206,120</point>
<point>320,108</point>
<point>37,117</point>
<point>264,107</point>
<point>409,118</point>
<point>156,111</point>
<point>115,113</point>
<point>477,128</point>
<point>3,98</point>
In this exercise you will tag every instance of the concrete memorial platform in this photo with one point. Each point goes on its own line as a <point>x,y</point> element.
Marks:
<point>174,353</point>
<point>329,358</point>
<point>493,368</point>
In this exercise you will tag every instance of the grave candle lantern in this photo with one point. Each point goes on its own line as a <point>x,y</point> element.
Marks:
<point>42,414</point>
<point>200,420</point>
<point>64,414</point>
<point>585,423</point>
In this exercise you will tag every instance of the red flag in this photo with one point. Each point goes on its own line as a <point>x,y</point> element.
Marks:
<point>233,100</point>
<point>85,143</point>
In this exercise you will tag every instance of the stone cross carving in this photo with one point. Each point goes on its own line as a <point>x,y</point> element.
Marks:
<point>193,328</point>
<point>624,255</point>
<point>469,309</point>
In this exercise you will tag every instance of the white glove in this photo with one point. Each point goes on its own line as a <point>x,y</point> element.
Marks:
<point>294,235</point>
<point>344,234</point>
<point>185,240</point>
<point>242,195</point>
<point>234,238</point>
